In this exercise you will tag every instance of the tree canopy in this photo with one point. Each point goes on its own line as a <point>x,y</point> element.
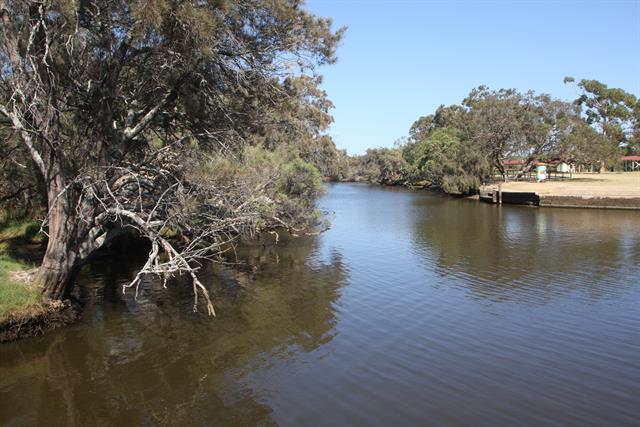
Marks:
<point>458,147</point>
<point>125,109</point>
<point>612,112</point>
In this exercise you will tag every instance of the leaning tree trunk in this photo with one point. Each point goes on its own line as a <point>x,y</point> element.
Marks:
<point>56,271</point>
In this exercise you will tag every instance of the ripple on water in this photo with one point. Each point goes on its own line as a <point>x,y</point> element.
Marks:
<point>412,309</point>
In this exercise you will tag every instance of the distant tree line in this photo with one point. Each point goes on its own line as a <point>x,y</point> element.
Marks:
<point>458,147</point>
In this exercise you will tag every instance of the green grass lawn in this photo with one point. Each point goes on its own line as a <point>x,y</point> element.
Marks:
<point>16,295</point>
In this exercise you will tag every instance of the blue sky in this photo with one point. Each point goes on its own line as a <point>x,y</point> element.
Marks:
<point>400,59</point>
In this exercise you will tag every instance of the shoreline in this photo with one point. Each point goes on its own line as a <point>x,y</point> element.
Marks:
<point>37,320</point>
<point>22,311</point>
<point>614,190</point>
<point>33,318</point>
<point>554,201</point>
<point>593,191</point>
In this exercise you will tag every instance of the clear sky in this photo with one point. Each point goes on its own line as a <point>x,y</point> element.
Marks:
<point>400,59</point>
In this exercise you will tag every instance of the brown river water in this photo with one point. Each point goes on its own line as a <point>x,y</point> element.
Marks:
<point>412,310</point>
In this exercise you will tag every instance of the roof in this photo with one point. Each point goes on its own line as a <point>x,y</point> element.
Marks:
<point>634,158</point>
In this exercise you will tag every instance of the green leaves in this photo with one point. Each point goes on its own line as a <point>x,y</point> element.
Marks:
<point>611,110</point>
<point>450,163</point>
<point>614,113</point>
<point>381,166</point>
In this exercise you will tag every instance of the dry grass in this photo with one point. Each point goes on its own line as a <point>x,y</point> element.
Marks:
<point>613,184</point>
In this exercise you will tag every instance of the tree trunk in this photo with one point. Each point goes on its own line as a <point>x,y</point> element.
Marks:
<point>56,272</point>
<point>602,167</point>
<point>58,265</point>
<point>502,170</point>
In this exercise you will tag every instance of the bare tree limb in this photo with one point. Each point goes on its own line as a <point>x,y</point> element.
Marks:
<point>26,138</point>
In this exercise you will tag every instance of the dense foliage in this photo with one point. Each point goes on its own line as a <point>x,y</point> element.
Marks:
<point>193,122</point>
<point>380,166</point>
<point>460,146</point>
<point>187,122</point>
<point>447,161</point>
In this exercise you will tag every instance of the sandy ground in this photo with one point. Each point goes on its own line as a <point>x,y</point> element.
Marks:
<point>613,184</point>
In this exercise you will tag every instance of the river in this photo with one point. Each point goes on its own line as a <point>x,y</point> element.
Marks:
<point>413,309</point>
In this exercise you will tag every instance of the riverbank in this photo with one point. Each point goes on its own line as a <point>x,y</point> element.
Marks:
<point>22,311</point>
<point>503,293</point>
<point>613,190</point>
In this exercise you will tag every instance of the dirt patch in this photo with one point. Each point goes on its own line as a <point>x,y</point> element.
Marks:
<point>27,276</point>
<point>37,319</point>
<point>607,185</point>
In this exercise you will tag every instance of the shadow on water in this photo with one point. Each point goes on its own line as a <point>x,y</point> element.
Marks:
<point>413,309</point>
<point>154,361</point>
<point>528,255</point>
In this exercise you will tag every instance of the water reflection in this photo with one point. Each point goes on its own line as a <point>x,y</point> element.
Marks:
<point>153,361</point>
<point>412,310</point>
<point>528,255</point>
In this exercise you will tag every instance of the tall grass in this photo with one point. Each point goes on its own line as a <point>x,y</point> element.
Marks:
<point>16,295</point>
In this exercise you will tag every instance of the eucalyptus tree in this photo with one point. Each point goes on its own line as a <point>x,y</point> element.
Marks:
<point>634,141</point>
<point>508,124</point>
<point>494,116</point>
<point>584,145</point>
<point>545,123</point>
<point>117,103</point>
<point>453,116</point>
<point>611,111</point>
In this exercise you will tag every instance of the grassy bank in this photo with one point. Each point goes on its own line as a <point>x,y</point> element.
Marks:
<point>22,311</point>
<point>17,239</point>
